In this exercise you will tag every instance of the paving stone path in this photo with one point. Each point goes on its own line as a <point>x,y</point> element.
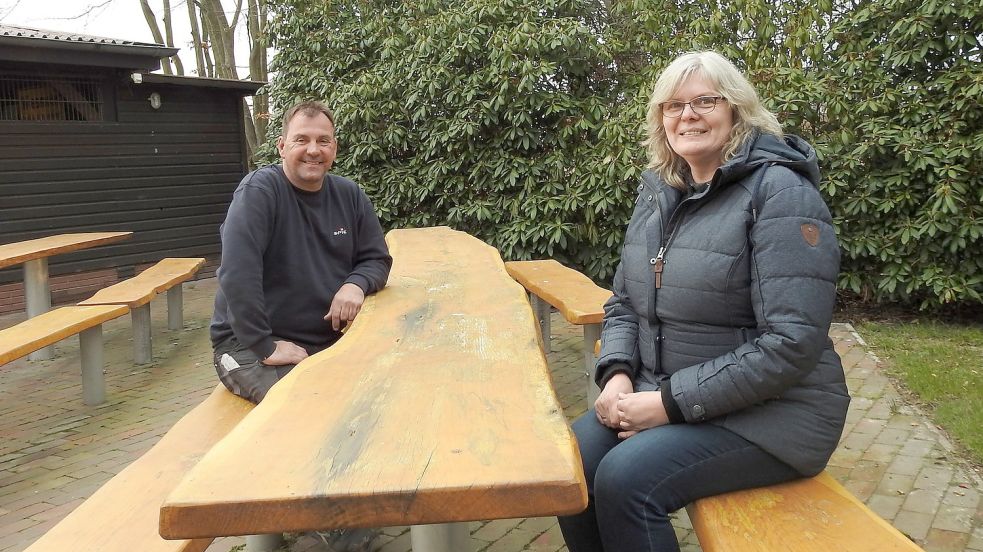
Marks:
<point>55,451</point>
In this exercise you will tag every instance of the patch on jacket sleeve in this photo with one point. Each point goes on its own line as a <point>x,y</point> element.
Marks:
<point>811,234</point>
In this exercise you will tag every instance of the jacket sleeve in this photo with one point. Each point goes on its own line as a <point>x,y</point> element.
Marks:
<point>372,261</point>
<point>619,335</point>
<point>245,235</point>
<point>794,263</point>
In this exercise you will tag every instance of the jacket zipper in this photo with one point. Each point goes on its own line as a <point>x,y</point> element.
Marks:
<point>660,259</point>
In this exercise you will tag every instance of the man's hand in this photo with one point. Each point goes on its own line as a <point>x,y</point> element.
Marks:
<point>285,353</point>
<point>345,306</point>
<point>606,405</point>
<point>639,411</point>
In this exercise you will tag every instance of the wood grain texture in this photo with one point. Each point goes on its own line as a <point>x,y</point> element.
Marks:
<point>807,515</point>
<point>122,516</point>
<point>436,406</point>
<point>578,299</point>
<point>20,252</point>
<point>142,288</point>
<point>51,327</point>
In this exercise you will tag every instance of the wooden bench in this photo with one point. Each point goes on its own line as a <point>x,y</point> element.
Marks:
<point>122,516</point>
<point>578,299</point>
<point>137,292</point>
<point>34,256</point>
<point>807,515</point>
<point>53,326</point>
<point>434,409</point>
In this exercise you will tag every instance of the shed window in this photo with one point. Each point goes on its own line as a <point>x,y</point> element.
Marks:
<point>50,98</point>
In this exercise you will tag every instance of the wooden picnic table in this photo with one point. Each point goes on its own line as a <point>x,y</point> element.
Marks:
<point>436,407</point>
<point>33,254</point>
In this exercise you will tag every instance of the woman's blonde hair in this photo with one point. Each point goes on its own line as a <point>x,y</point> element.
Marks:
<point>743,101</point>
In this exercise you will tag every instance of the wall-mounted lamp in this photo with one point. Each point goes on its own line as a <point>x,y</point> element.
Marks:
<point>154,100</point>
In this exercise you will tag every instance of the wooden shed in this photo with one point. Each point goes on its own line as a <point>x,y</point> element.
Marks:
<point>90,140</point>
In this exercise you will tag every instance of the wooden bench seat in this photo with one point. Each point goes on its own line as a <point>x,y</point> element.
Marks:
<point>55,325</point>
<point>807,515</point>
<point>122,516</point>
<point>579,300</point>
<point>137,293</point>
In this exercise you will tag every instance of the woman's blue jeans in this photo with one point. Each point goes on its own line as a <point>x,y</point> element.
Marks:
<point>634,484</point>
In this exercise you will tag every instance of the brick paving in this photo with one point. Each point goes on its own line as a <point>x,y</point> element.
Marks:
<point>55,451</point>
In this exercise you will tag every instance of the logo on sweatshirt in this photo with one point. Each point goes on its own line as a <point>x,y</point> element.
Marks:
<point>340,231</point>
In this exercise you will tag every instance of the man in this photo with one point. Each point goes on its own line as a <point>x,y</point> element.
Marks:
<point>301,248</point>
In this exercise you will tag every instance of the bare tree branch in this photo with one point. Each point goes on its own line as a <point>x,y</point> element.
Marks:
<point>235,16</point>
<point>10,10</point>
<point>86,13</point>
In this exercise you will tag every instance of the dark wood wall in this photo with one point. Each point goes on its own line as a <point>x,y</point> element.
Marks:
<point>166,174</point>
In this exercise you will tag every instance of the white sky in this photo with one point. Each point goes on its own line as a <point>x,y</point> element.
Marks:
<point>117,19</point>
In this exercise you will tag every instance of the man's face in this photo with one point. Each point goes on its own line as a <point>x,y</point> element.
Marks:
<point>308,150</point>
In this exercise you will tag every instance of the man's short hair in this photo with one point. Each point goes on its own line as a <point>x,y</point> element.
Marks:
<point>309,109</point>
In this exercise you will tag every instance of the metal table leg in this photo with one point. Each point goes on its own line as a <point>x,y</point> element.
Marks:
<point>93,380</point>
<point>441,537</point>
<point>175,308</point>
<point>263,543</point>
<point>142,346</point>
<point>37,295</point>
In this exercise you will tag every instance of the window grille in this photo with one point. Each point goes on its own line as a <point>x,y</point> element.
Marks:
<point>50,98</point>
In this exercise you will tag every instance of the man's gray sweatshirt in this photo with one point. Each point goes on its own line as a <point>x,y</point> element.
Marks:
<point>286,252</point>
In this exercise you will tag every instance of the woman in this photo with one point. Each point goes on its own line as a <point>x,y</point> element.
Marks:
<point>716,370</point>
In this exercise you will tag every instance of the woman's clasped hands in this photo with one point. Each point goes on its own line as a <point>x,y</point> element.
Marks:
<point>619,407</point>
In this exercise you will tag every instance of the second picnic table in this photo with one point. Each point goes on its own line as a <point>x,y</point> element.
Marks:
<point>34,255</point>
<point>436,407</point>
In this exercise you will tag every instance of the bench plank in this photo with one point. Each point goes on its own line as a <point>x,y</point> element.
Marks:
<point>51,327</point>
<point>578,299</point>
<point>142,288</point>
<point>122,516</point>
<point>436,406</point>
<point>807,515</point>
<point>20,252</point>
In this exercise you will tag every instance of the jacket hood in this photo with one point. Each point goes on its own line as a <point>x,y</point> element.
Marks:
<point>760,149</point>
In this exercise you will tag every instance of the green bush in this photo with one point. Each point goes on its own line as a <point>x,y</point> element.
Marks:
<point>519,121</point>
<point>903,150</point>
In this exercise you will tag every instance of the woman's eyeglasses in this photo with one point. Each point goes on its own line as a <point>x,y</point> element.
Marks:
<point>701,105</point>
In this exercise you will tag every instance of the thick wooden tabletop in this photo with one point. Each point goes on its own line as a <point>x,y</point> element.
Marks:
<point>436,406</point>
<point>21,252</point>
<point>578,299</point>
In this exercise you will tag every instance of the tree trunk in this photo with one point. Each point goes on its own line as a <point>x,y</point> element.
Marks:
<point>148,14</point>
<point>196,38</point>
<point>169,37</point>
<point>206,48</point>
<point>256,25</point>
<point>222,38</point>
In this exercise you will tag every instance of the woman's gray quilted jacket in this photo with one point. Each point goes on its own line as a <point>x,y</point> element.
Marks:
<point>740,323</point>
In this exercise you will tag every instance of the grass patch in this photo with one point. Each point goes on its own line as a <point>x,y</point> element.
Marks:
<point>943,365</point>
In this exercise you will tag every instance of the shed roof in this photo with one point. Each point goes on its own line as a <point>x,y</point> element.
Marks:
<point>28,44</point>
<point>244,87</point>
